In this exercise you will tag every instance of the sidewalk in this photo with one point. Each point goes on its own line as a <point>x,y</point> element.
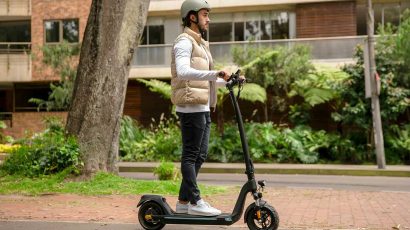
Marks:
<point>298,208</point>
<point>315,169</point>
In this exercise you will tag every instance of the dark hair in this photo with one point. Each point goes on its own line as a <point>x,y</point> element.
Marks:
<point>186,22</point>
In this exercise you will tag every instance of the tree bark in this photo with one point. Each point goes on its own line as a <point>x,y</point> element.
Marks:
<point>112,33</point>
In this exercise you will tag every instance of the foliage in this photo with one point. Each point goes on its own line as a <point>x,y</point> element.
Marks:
<point>400,54</point>
<point>100,184</point>
<point>131,133</point>
<point>156,86</point>
<point>225,147</point>
<point>267,143</point>
<point>318,87</point>
<point>394,96</point>
<point>62,59</point>
<point>251,92</point>
<point>162,141</point>
<point>243,55</point>
<point>275,70</point>
<point>167,171</point>
<point>398,144</point>
<point>48,152</point>
<point>355,111</point>
<point>8,148</point>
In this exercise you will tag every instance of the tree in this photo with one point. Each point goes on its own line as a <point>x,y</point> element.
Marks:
<point>111,34</point>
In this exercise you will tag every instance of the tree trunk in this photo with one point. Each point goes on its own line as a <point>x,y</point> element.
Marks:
<point>112,32</point>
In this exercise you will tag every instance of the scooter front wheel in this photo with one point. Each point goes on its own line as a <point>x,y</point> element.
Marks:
<point>266,219</point>
<point>145,216</point>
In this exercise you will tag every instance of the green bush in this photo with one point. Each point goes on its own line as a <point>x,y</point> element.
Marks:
<point>267,143</point>
<point>167,171</point>
<point>48,152</point>
<point>398,144</point>
<point>162,141</point>
<point>130,134</point>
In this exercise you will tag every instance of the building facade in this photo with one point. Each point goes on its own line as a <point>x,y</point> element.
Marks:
<point>332,27</point>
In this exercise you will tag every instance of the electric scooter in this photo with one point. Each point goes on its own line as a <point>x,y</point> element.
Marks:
<point>154,212</point>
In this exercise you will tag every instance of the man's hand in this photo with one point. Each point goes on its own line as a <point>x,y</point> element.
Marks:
<point>223,74</point>
<point>242,78</point>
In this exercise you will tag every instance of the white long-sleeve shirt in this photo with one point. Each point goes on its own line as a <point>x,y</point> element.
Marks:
<point>183,51</point>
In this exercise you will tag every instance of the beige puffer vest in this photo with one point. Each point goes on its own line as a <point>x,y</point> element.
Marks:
<point>186,92</point>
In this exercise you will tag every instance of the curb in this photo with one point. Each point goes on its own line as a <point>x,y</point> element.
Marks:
<point>347,170</point>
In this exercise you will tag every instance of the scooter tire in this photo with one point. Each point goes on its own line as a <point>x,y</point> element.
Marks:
<point>146,210</point>
<point>269,220</point>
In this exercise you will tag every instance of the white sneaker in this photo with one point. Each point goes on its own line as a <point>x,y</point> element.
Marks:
<point>181,208</point>
<point>202,208</point>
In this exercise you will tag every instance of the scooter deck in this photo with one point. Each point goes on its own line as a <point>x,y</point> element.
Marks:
<point>176,218</point>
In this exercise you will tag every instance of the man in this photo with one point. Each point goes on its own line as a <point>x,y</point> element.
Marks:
<point>194,92</point>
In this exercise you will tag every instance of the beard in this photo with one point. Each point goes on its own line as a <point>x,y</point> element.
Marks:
<point>202,29</point>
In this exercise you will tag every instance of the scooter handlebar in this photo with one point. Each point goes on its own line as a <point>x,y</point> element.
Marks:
<point>234,80</point>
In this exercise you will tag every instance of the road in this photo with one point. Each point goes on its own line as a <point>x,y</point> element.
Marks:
<point>357,183</point>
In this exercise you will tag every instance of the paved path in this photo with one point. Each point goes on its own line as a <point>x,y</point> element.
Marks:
<point>298,208</point>
<point>49,225</point>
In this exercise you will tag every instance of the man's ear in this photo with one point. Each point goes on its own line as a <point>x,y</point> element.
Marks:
<point>192,17</point>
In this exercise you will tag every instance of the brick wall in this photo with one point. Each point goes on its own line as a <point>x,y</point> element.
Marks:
<point>30,122</point>
<point>53,9</point>
<point>326,19</point>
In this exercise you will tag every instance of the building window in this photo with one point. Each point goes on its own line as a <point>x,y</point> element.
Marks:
<point>220,32</point>
<point>12,32</point>
<point>153,35</point>
<point>62,30</point>
<point>15,31</point>
<point>251,26</point>
<point>383,14</point>
<point>154,32</point>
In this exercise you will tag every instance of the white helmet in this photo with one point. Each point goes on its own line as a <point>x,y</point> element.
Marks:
<point>193,5</point>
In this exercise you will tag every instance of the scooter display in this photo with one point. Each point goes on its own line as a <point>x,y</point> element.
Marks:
<point>154,212</point>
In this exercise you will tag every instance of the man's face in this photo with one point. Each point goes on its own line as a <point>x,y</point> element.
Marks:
<point>203,19</point>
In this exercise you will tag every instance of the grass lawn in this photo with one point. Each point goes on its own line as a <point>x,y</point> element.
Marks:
<point>100,184</point>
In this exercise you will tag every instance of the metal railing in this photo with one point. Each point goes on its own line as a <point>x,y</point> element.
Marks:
<point>15,7</point>
<point>15,47</point>
<point>321,48</point>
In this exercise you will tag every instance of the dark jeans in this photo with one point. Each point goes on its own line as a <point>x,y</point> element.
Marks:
<point>195,129</point>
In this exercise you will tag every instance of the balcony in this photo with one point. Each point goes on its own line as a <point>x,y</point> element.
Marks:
<point>335,48</point>
<point>15,8</point>
<point>15,62</point>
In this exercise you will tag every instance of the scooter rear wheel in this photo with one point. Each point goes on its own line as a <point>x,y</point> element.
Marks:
<point>269,218</point>
<point>145,213</point>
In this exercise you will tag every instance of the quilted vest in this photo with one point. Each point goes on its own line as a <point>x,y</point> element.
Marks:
<point>185,92</point>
